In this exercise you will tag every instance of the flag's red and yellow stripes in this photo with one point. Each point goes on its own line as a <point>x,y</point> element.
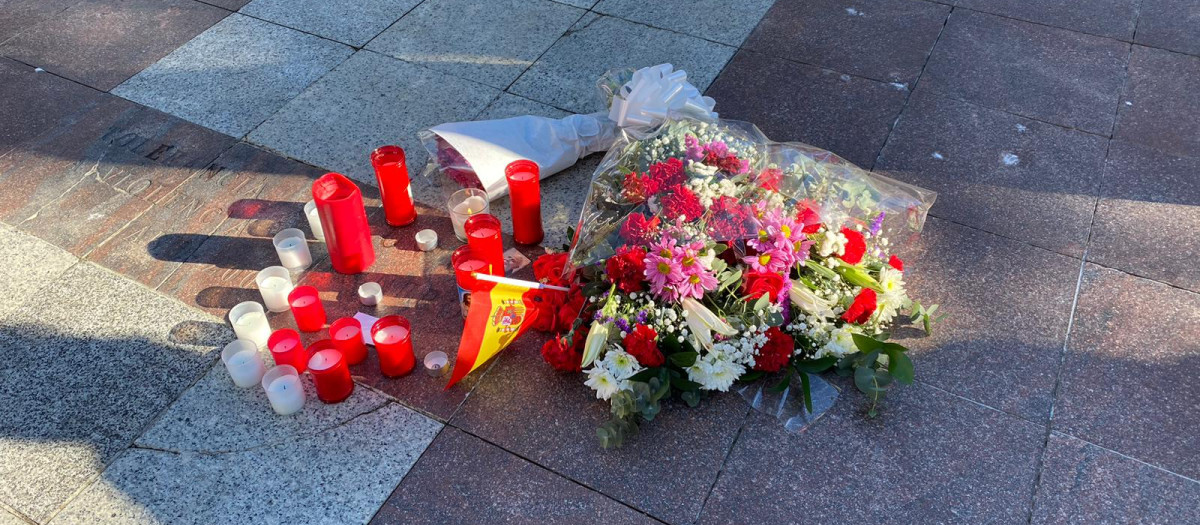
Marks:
<point>496,317</point>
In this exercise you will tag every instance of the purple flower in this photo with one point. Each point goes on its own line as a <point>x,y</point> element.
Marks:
<point>641,316</point>
<point>622,324</point>
<point>877,224</point>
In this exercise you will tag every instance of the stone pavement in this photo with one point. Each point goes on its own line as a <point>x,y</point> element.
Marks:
<point>160,144</point>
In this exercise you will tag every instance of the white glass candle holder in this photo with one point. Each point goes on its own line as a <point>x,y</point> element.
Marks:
<point>249,322</point>
<point>244,364</point>
<point>275,283</point>
<point>314,220</point>
<point>426,240</point>
<point>370,294</point>
<point>292,248</point>
<point>463,204</point>
<point>284,389</point>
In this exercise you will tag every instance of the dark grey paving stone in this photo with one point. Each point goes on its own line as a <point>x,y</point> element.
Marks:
<point>550,418</point>
<point>1083,483</point>
<point>1128,377</point>
<point>232,5</point>
<point>1008,306</point>
<point>1161,106</point>
<point>929,457</point>
<point>724,21</point>
<point>342,474</point>
<point>30,264</point>
<point>352,23</point>
<point>1111,18</point>
<point>1170,24</point>
<point>463,479</point>
<point>34,102</point>
<point>103,42</point>
<point>885,40</point>
<point>1147,219</point>
<point>847,115</point>
<point>999,172</point>
<point>89,363</point>
<point>18,15</point>
<point>1050,74</point>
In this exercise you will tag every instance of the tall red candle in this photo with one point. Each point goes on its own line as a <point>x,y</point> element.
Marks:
<point>286,349</point>
<point>391,172</point>
<point>525,194</point>
<point>307,309</point>
<point>344,221</point>
<point>330,373</point>
<point>483,236</point>
<point>465,262</point>
<point>393,343</point>
<point>347,338</point>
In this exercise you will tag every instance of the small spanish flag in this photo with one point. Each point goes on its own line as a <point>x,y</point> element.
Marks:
<point>501,310</point>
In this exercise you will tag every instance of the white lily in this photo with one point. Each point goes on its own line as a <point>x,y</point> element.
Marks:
<point>808,301</point>
<point>702,335</point>
<point>706,316</point>
<point>597,337</point>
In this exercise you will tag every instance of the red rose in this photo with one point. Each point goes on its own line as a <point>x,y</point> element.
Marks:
<point>642,344</point>
<point>756,284</point>
<point>562,355</point>
<point>638,228</point>
<point>550,269</point>
<point>570,310</point>
<point>896,263</point>
<point>679,201</point>
<point>627,269</point>
<point>861,309</point>
<point>775,354</point>
<point>810,219</point>
<point>856,246</point>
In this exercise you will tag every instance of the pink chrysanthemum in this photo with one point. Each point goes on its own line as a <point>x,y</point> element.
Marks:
<point>696,284</point>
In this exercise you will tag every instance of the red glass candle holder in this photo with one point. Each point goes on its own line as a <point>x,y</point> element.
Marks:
<point>483,236</point>
<point>525,194</point>
<point>393,343</point>
<point>344,222</point>
<point>465,262</point>
<point>286,349</point>
<point>330,373</point>
<point>347,338</point>
<point>391,172</point>
<point>307,309</point>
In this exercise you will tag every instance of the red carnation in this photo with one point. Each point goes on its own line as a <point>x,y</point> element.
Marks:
<point>856,246</point>
<point>666,174</point>
<point>861,309</point>
<point>770,178</point>
<point>638,228</point>
<point>546,304</point>
<point>549,269</point>
<point>756,284</point>
<point>776,352</point>
<point>896,263</point>
<point>810,219</point>
<point>729,219</point>
<point>570,310</point>
<point>642,344</point>
<point>639,187</point>
<point>562,354</point>
<point>679,201</point>
<point>627,268</point>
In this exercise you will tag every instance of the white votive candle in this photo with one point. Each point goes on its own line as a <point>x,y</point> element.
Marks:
<point>463,204</point>
<point>426,240</point>
<point>249,322</point>
<point>435,363</point>
<point>391,334</point>
<point>244,364</point>
<point>370,294</point>
<point>275,283</point>
<point>292,249</point>
<point>284,389</point>
<point>314,220</point>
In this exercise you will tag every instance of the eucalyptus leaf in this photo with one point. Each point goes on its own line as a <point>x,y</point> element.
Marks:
<point>683,359</point>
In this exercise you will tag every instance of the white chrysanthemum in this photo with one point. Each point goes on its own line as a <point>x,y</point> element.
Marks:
<point>602,381</point>
<point>894,297</point>
<point>715,372</point>
<point>841,343</point>
<point>620,364</point>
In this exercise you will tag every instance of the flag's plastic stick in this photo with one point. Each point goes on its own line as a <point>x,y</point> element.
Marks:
<point>517,282</point>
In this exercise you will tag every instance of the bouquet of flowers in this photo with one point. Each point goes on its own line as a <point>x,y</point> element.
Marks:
<point>707,255</point>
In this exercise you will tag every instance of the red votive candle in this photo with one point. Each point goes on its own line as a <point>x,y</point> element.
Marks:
<point>391,172</point>
<point>525,194</point>
<point>330,373</point>
<point>307,309</point>
<point>344,222</point>
<point>286,349</point>
<point>393,343</point>
<point>347,338</point>
<point>483,236</point>
<point>465,262</point>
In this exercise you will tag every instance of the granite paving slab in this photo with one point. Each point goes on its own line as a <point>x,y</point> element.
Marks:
<point>565,76</point>
<point>886,40</point>
<point>1146,221</point>
<point>34,102</point>
<point>1170,24</point>
<point>992,170</point>
<point>1111,18</point>
<point>103,42</point>
<point>351,23</point>
<point>1127,380</point>
<point>488,42</point>
<point>18,15</point>
<point>928,457</point>
<point>508,105</point>
<point>342,474</point>
<point>30,265</point>
<point>663,471</point>
<point>8,518</point>
<point>1161,105</point>
<point>1059,76</point>
<point>724,21</point>
<point>369,101</point>
<point>585,4</point>
<point>463,479</point>
<point>1008,305</point>
<point>232,5</point>
<point>850,116</point>
<point>234,75</point>
<point>91,361</point>
<point>1083,483</point>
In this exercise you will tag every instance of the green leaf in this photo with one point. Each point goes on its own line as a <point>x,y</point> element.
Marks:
<point>691,397</point>
<point>899,365</point>
<point>858,277</point>
<point>774,319</point>
<point>683,359</point>
<point>816,366</point>
<point>644,375</point>
<point>782,384</point>
<point>720,248</point>
<point>866,343</point>
<point>821,270</point>
<point>718,266</point>
<point>762,302</point>
<point>805,388</point>
<point>751,376</point>
<point>684,384</point>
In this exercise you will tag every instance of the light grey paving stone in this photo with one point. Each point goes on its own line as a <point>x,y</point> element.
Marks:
<point>234,75</point>
<point>87,365</point>
<point>562,198</point>
<point>354,23</point>
<point>725,21</point>
<point>8,518</point>
<point>490,42</point>
<point>566,75</point>
<point>29,265</point>
<point>368,101</point>
<point>586,4</point>
<point>509,105</point>
<point>341,475</point>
